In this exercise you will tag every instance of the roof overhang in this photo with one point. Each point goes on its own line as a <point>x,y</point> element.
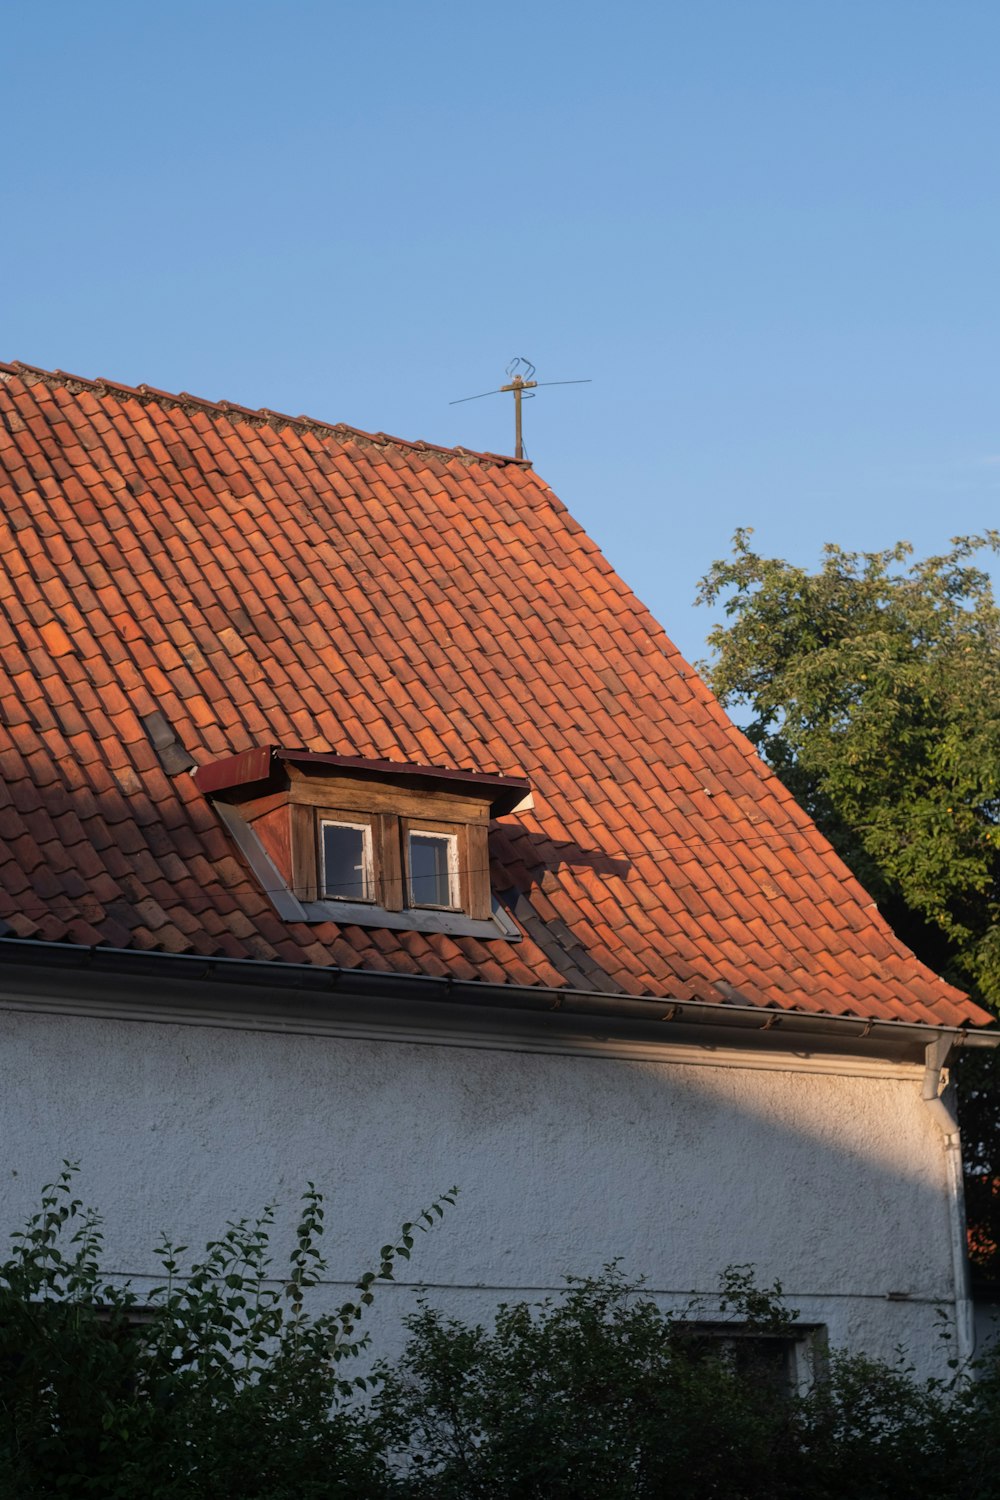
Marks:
<point>260,769</point>
<point>305,997</point>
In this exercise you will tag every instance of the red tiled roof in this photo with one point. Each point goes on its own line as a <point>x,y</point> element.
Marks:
<point>258,579</point>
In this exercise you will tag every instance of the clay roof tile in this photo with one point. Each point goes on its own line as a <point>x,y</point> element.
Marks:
<point>264,579</point>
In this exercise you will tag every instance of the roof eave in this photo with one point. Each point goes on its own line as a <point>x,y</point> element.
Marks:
<point>694,1021</point>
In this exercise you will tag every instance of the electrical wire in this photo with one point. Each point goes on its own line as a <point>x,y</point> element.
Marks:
<point>284,890</point>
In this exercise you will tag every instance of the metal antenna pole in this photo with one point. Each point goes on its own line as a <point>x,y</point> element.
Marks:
<point>518,385</point>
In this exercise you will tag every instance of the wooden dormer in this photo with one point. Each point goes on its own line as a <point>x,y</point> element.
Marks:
<point>368,842</point>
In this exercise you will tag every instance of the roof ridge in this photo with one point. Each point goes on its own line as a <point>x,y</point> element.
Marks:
<point>257,417</point>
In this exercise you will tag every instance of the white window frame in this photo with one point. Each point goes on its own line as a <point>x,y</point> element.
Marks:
<point>368,860</point>
<point>454,883</point>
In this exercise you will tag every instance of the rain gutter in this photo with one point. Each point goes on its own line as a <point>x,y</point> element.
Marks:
<point>682,1017</point>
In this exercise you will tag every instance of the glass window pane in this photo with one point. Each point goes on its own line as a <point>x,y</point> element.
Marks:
<point>345,862</point>
<point>431,862</point>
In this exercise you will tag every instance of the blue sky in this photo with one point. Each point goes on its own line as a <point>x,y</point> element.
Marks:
<point>767,229</point>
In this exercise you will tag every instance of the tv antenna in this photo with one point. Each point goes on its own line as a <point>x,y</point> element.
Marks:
<point>520,373</point>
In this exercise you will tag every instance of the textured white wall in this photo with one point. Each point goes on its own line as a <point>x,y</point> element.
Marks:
<point>835,1184</point>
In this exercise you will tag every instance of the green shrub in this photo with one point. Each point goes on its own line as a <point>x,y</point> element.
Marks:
<point>601,1395</point>
<point>227,1386</point>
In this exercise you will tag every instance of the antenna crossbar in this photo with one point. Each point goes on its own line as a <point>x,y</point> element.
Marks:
<point>519,383</point>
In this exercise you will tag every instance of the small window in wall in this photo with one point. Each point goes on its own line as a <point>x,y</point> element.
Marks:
<point>778,1361</point>
<point>346,861</point>
<point>433,869</point>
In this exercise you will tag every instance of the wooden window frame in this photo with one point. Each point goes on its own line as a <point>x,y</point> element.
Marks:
<point>306,851</point>
<point>369,860</point>
<point>457,856</point>
<point>391,815</point>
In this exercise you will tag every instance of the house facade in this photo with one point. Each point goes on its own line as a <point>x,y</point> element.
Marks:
<point>360,826</point>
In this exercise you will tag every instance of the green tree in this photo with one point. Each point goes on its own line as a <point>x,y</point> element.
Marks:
<point>872,688</point>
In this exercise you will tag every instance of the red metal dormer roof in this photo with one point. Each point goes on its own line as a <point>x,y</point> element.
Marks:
<point>182,581</point>
<point>259,765</point>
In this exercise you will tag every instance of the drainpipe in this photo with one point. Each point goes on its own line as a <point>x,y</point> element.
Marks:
<point>934,1095</point>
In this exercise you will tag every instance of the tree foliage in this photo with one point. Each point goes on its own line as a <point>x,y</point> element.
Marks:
<point>872,687</point>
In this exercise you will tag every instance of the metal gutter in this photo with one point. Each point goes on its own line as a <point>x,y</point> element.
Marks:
<point>777,1027</point>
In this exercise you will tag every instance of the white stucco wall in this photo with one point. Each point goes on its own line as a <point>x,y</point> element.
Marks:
<point>834,1184</point>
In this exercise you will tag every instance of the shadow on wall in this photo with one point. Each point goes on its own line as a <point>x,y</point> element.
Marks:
<point>833,1184</point>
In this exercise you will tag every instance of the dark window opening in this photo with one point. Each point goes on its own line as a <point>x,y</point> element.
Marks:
<point>346,857</point>
<point>774,1361</point>
<point>433,870</point>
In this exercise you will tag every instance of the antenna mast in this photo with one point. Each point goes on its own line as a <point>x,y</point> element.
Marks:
<point>520,373</point>
<point>518,385</point>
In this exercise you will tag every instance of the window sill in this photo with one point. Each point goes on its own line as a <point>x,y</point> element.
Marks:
<point>412,919</point>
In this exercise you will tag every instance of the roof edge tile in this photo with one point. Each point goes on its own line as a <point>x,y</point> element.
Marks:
<point>255,417</point>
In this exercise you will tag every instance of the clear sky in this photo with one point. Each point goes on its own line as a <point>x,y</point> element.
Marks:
<point>767,229</point>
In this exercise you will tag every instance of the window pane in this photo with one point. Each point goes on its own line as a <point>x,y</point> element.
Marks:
<point>345,862</point>
<point>431,869</point>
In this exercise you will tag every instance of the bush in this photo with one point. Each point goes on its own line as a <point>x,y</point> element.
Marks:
<point>229,1387</point>
<point>596,1394</point>
<point>601,1395</point>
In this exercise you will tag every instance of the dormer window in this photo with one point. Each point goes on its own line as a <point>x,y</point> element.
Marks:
<point>346,866</point>
<point>365,842</point>
<point>432,868</point>
<point>345,861</point>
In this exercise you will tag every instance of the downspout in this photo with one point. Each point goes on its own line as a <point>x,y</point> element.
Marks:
<point>935,1096</point>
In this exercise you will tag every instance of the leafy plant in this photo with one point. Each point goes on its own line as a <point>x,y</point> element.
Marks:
<point>602,1395</point>
<point>228,1386</point>
<point>224,1384</point>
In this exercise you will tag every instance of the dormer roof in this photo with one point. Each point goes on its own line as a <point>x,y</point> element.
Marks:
<point>187,583</point>
<point>258,768</point>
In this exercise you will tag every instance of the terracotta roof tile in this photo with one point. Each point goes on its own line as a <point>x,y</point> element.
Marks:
<point>284,580</point>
